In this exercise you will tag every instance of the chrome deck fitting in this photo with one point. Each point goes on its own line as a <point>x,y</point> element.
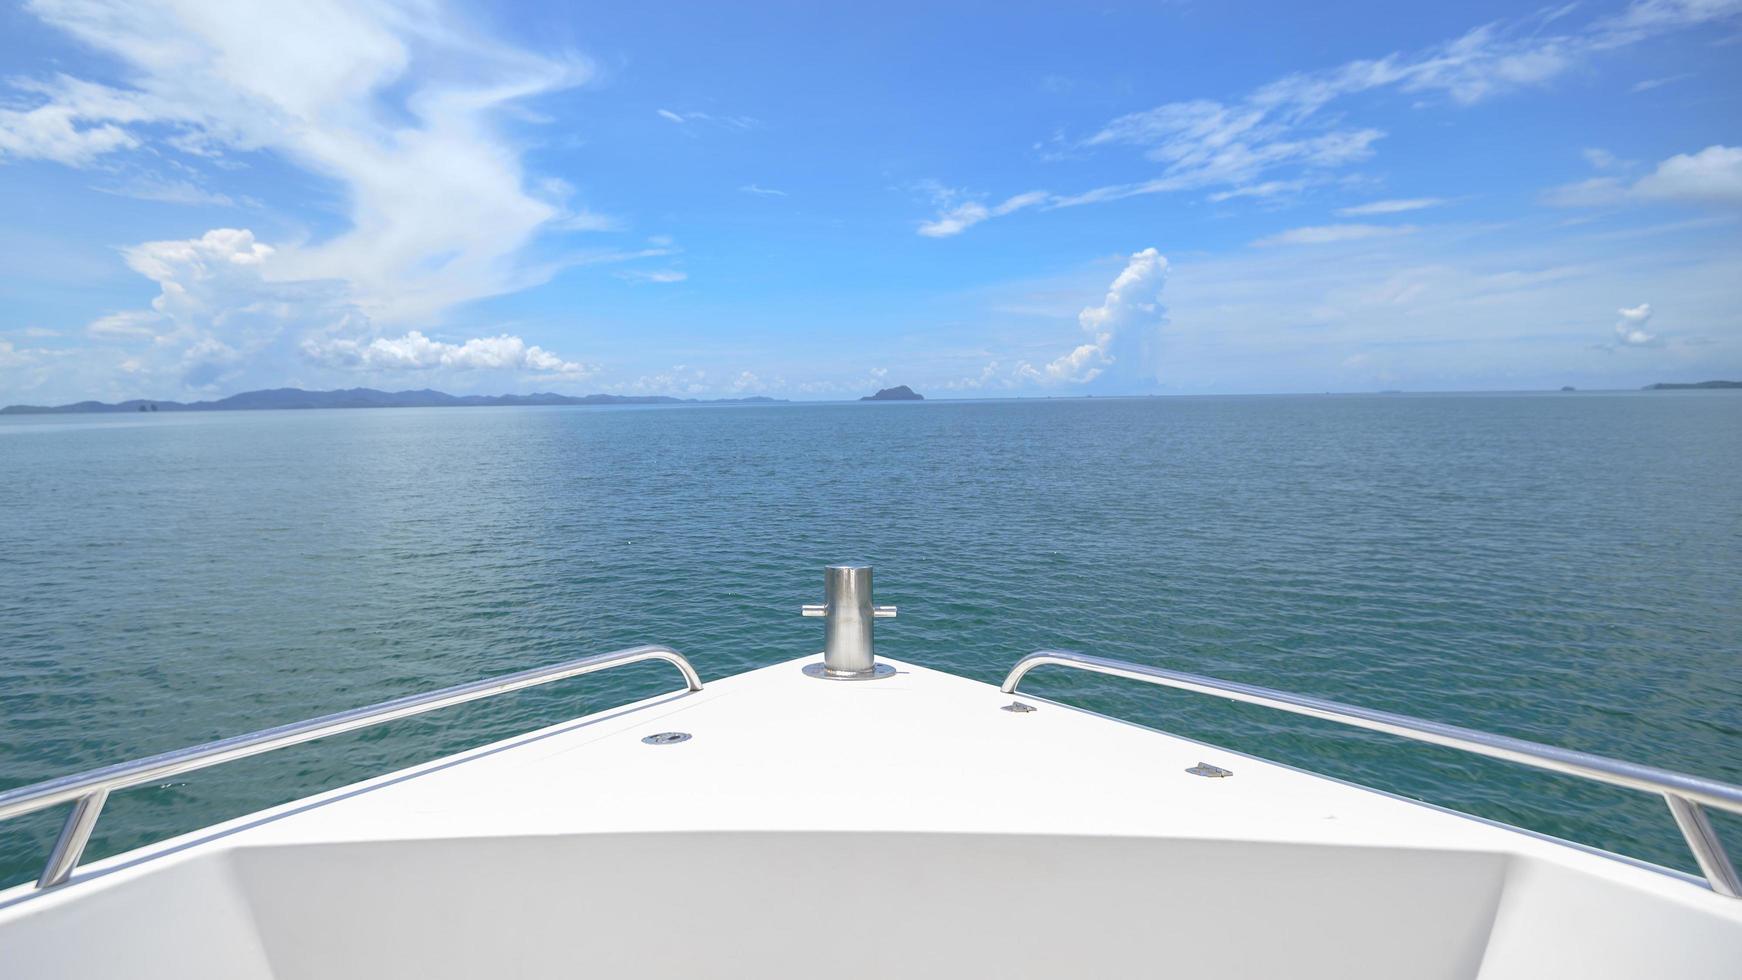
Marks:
<point>847,613</point>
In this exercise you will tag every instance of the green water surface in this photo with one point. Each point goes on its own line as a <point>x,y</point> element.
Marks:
<point>1565,568</point>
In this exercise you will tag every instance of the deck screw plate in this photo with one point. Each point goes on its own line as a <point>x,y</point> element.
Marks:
<point>1205,769</point>
<point>667,738</point>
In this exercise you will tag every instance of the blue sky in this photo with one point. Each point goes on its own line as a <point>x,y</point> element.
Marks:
<point>207,197</point>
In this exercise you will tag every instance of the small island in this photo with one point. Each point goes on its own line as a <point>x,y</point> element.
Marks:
<point>1674,386</point>
<point>899,393</point>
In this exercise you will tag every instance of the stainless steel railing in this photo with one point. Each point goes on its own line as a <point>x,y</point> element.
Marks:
<point>87,791</point>
<point>1686,795</point>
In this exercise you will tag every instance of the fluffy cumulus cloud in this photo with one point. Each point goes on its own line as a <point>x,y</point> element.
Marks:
<point>1124,331</point>
<point>402,105</point>
<point>1711,178</point>
<point>1291,132</point>
<point>215,308</point>
<point>415,352</point>
<point>219,309</point>
<point>1630,329</point>
<point>1440,310</point>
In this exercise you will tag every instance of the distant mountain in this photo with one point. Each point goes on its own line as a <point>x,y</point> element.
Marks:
<point>367,398</point>
<point>1673,386</point>
<point>899,393</point>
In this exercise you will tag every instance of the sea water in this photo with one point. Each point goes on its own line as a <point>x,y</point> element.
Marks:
<point>1558,567</point>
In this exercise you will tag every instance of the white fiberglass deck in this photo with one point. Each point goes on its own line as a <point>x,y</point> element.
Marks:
<point>901,827</point>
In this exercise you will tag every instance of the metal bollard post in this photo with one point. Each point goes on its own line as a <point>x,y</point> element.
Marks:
<point>848,650</point>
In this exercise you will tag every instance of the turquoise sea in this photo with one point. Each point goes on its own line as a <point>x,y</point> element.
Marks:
<point>1560,567</point>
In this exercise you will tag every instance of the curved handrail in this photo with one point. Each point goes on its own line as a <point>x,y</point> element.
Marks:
<point>1685,794</point>
<point>89,790</point>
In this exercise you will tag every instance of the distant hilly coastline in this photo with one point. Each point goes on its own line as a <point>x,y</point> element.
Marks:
<point>275,398</point>
<point>1683,386</point>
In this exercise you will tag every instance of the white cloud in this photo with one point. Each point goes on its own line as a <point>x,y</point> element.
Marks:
<point>1651,83</point>
<point>1083,364</point>
<point>416,352</point>
<point>1599,159</point>
<point>75,123</point>
<point>1711,177</point>
<point>216,307</point>
<point>764,191</point>
<point>1282,126</point>
<point>654,275</point>
<point>1270,188</point>
<point>219,310</point>
<point>583,220</point>
<point>1451,307</point>
<point>727,122</point>
<point>398,102</point>
<point>216,254</point>
<point>1123,330</point>
<point>150,187</point>
<point>1332,234</point>
<point>965,215</point>
<point>126,325</point>
<point>1206,143</point>
<point>1591,193</point>
<point>989,376</point>
<point>679,380</point>
<point>1630,329</point>
<point>1391,207</point>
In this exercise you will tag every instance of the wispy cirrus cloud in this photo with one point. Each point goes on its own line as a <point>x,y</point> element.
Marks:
<point>1282,132</point>
<point>727,122</point>
<point>1398,206</point>
<point>166,190</point>
<point>660,276</point>
<point>1332,234</point>
<point>1268,189</point>
<point>959,217</point>
<point>1646,85</point>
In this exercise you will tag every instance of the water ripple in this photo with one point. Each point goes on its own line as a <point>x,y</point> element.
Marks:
<point>1557,568</point>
